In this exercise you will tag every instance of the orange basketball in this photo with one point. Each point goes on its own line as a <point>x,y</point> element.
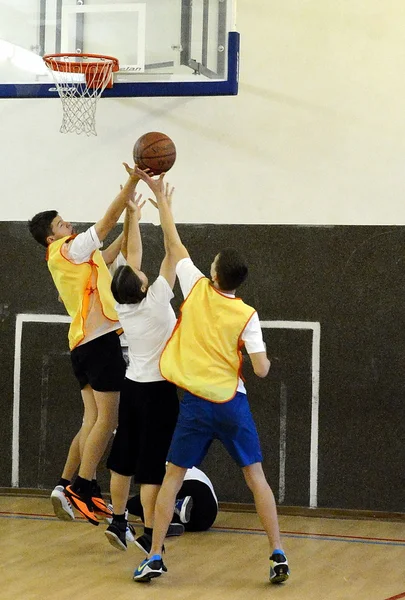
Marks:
<point>155,151</point>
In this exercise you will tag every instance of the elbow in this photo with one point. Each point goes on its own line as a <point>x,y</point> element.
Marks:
<point>174,251</point>
<point>262,370</point>
<point>171,247</point>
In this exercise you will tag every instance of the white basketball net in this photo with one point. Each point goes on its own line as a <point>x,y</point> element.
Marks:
<point>80,89</point>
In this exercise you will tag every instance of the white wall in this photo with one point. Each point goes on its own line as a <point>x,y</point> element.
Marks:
<point>316,134</point>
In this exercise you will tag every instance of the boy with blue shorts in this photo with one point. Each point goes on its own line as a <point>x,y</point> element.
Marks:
<point>203,356</point>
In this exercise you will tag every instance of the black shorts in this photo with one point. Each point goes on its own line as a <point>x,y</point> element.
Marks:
<point>146,421</point>
<point>100,363</point>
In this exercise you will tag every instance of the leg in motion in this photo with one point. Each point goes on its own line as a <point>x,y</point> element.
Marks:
<point>267,511</point>
<point>116,532</point>
<point>153,565</point>
<point>80,493</point>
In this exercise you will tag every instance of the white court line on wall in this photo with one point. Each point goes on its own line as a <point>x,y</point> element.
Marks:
<point>283,442</point>
<point>15,444</point>
<point>316,356</point>
<point>316,335</point>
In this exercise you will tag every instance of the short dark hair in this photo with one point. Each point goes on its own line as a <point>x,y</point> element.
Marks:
<point>126,286</point>
<point>40,226</point>
<point>231,269</point>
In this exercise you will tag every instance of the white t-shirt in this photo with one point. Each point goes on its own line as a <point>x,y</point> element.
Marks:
<point>147,326</point>
<point>79,250</point>
<point>83,245</point>
<point>252,336</point>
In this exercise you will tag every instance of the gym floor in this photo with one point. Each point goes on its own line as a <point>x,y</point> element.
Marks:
<point>330,559</point>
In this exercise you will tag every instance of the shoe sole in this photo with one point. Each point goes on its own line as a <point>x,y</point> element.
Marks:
<point>147,578</point>
<point>141,548</point>
<point>185,513</point>
<point>100,508</point>
<point>281,577</point>
<point>146,551</point>
<point>115,541</point>
<point>59,509</point>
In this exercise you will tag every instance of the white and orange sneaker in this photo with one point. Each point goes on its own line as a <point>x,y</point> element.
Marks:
<point>61,505</point>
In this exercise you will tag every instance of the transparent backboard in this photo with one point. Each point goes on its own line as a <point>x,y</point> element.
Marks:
<point>164,47</point>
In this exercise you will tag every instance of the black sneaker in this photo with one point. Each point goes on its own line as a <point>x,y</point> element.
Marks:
<point>175,529</point>
<point>116,534</point>
<point>144,543</point>
<point>149,568</point>
<point>279,571</point>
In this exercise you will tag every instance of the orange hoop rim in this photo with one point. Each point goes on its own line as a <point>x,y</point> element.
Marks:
<point>53,61</point>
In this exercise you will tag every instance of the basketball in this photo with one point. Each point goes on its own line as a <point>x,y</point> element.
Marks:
<point>155,151</point>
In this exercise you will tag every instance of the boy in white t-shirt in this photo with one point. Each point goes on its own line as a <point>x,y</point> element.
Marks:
<point>149,404</point>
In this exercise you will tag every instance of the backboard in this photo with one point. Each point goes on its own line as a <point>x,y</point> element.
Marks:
<point>164,47</point>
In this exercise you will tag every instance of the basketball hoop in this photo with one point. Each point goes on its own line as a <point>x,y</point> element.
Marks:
<point>80,80</point>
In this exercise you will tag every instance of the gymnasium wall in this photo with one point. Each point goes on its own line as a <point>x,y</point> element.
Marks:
<point>315,136</point>
<point>349,280</point>
<point>303,169</point>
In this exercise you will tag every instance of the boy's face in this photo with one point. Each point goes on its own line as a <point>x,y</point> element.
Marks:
<point>60,229</point>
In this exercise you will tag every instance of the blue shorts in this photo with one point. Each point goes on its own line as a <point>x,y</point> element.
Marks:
<point>201,421</point>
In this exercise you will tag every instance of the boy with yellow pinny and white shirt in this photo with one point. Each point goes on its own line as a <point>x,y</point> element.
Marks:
<point>203,356</point>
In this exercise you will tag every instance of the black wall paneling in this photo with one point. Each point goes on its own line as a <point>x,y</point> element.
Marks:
<point>348,279</point>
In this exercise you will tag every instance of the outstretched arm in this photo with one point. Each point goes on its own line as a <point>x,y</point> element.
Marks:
<point>124,245</point>
<point>173,244</point>
<point>116,208</point>
<point>120,243</point>
<point>112,251</point>
<point>134,242</point>
<point>168,266</point>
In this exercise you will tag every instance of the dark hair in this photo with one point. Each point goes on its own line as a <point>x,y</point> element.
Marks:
<point>126,286</point>
<point>40,226</point>
<point>231,269</point>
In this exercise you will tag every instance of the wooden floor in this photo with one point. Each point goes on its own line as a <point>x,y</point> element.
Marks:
<point>331,559</point>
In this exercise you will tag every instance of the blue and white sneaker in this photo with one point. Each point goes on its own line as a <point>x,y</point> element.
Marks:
<point>149,568</point>
<point>183,508</point>
<point>279,571</point>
